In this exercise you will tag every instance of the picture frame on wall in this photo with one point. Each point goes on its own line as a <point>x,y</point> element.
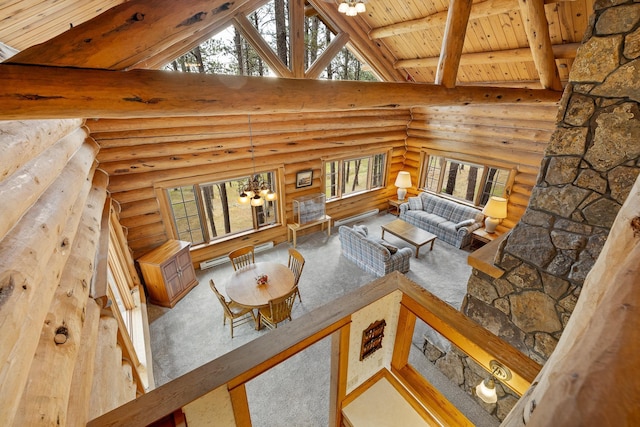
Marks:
<point>304,178</point>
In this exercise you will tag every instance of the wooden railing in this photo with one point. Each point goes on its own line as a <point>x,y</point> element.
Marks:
<point>399,298</point>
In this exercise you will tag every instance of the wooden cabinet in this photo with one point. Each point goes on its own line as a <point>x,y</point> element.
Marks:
<point>168,272</point>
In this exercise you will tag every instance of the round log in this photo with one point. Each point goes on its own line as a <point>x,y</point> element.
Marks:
<point>25,186</point>
<point>45,398</point>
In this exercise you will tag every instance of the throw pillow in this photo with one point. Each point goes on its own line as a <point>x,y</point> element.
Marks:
<point>362,229</point>
<point>464,223</point>
<point>392,249</point>
<point>415,203</point>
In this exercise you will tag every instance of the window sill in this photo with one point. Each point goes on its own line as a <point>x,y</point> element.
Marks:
<point>201,246</point>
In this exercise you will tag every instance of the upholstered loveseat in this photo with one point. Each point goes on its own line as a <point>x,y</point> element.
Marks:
<point>372,254</point>
<point>452,222</point>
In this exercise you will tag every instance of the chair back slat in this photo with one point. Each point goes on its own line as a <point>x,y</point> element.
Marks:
<point>242,257</point>
<point>279,309</point>
<point>296,264</point>
<point>221,298</point>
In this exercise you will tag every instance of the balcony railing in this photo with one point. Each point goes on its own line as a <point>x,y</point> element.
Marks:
<point>393,298</point>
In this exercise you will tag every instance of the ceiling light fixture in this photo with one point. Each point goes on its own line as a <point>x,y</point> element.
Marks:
<point>486,390</point>
<point>351,7</point>
<point>255,191</point>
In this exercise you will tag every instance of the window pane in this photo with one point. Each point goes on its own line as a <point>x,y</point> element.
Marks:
<point>354,175</point>
<point>185,213</point>
<point>224,213</point>
<point>461,180</point>
<point>331,176</point>
<point>434,167</point>
<point>496,184</point>
<point>377,175</point>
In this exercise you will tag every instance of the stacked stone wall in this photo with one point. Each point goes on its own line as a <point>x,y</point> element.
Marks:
<point>589,167</point>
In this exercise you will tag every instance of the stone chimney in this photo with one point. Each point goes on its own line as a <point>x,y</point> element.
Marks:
<point>590,164</point>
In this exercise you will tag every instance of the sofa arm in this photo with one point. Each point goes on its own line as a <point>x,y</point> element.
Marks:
<point>399,261</point>
<point>404,207</point>
<point>465,231</point>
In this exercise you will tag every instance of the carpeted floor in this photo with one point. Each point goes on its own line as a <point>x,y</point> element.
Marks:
<point>192,333</point>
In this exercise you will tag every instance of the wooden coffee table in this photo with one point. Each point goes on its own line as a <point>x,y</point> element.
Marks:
<point>410,234</point>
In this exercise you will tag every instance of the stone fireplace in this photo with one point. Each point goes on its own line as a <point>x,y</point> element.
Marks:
<point>589,167</point>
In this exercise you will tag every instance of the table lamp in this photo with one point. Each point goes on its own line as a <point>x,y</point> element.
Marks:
<point>495,210</point>
<point>403,181</point>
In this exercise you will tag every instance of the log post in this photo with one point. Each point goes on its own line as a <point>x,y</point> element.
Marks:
<point>537,29</point>
<point>454,34</point>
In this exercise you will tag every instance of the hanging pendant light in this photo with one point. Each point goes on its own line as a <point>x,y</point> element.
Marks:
<point>352,7</point>
<point>255,191</point>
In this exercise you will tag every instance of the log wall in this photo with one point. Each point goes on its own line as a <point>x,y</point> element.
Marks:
<point>139,153</point>
<point>53,197</point>
<point>514,136</point>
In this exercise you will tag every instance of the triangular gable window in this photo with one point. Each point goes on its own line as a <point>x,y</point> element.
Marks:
<point>234,50</point>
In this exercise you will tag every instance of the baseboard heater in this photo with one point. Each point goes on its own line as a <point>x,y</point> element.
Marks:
<point>222,259</point>
<point>354,218</point>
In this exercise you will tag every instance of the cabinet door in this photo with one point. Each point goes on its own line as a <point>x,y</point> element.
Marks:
<point>171,273</point>
<point>187,273</point>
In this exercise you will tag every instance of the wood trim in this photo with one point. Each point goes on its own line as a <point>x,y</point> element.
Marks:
<point>323,61</point>
<point>403,342</point>
<point>240,405</point>
<point>261,46</point>
<point>478,343</point>
<point>339,368</point>
<point>436,403</point>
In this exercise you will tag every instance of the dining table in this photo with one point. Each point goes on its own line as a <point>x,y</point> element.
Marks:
<point>242,286</point>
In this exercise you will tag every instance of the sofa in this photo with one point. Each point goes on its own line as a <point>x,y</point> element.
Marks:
<point>452,222</point>
<point>373,255</point>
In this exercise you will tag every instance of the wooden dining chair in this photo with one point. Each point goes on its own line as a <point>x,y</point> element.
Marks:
<point>296,264</point>
<point>236,313</point>
<point>242,257</point>
<point>279,310</point>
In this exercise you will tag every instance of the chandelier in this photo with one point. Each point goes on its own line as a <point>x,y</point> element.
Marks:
<point>256,190</point>
<point>352,7</point>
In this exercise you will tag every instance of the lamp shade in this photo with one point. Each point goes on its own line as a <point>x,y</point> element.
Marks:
<point>496,207</point>
<point>495,210</point>
<point>403,181</point>
<point>486,391</point>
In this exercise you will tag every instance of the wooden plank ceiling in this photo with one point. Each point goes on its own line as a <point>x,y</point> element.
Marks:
<point>402,40</point>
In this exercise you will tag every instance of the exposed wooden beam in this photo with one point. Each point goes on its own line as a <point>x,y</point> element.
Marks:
<point>180,47</point>
<point>129,33</point>
<point>439,19</point>
<point>31,92</point>
<point>560,51</point>
<point>537,29</point>
<point>260,45</point>
<point>452,42</point>
<point>479,10</point>
<point>329,53</point>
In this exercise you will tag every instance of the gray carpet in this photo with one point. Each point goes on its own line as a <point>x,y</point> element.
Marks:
<point>191,334</point>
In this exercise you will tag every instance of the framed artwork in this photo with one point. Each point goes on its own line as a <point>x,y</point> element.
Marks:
<point>304,178</point>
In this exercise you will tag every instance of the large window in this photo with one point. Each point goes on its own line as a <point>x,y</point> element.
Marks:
<point>209,211</point>
<point>471,182</point>
<point>355,175</point>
